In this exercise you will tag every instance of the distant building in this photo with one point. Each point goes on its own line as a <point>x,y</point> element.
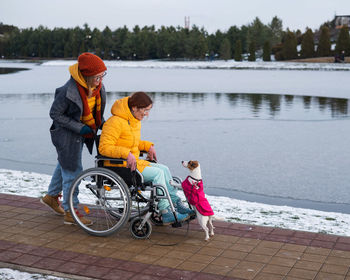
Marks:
<point>340,21</point>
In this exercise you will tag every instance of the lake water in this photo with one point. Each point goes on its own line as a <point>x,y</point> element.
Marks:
<point>282,148</point>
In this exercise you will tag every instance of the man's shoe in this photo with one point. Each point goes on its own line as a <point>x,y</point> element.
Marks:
<point>168,216</point>
<point>53,203</point>
<point>68,219</point>
<point>182,209</point>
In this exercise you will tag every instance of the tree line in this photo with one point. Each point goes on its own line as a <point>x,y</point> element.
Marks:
<point>253,40</point>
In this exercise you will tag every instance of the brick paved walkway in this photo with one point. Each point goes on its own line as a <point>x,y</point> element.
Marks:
<point>32,238</point>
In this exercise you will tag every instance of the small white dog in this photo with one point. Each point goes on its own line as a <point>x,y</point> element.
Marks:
<point>193,189</point>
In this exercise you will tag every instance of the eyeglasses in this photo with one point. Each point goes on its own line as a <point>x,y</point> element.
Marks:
<point>145,111</point>
<point>99,78</point>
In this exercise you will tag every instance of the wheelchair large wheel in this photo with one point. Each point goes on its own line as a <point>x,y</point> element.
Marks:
<point>103,198</point>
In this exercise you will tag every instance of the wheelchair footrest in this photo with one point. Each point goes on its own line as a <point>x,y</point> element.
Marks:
<point>176,224</point>
<point>193,217</point>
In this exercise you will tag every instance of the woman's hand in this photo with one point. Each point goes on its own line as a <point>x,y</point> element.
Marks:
<point>131,162</point>
<point>151,155</point>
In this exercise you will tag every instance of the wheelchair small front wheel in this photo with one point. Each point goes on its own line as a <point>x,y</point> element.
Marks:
<point>137,232</point>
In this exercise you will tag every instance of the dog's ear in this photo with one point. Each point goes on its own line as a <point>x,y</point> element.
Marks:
<point>192,164</point>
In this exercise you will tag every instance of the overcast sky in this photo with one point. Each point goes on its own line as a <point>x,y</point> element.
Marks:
<point>212,15</point>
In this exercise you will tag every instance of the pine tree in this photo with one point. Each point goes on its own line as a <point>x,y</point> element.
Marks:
<point>217,39</point>
<point>307,44</point>
<point>232,35</point>
<point>324,44</point>
<point>82,47</point>
<point>225,49</point>
<point>276,29</point>
<point>67,50</point>
<point>267,51</point>
<point>343,42</point>
<point>74,44</point>
<point>252,49</point>
<point>257,32</point>
<point>289,50</point>
<point>238,51</point>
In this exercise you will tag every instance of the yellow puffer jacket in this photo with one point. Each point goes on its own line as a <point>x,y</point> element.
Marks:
<point>121,134</point>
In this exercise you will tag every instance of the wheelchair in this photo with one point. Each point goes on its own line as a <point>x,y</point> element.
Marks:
<point>112,196</point>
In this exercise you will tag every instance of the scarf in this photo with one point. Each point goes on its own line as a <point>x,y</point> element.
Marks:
<point>88,117</point>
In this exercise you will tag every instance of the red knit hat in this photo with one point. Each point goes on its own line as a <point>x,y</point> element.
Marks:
<point>90,64</point>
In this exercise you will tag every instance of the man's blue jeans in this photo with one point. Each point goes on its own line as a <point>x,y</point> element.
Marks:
<point>160,174</point>
<point>61,181</point>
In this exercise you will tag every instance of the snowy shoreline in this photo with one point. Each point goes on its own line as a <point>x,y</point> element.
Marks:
<point>232,210</point>
<point>217,64</point>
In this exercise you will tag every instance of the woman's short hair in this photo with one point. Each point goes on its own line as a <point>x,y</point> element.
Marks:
<point>139,99</point>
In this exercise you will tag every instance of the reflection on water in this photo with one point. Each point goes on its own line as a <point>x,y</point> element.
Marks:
<point>337,107</point>
<point>266,106</point>
<point>9,70</point>
<point>219,106</point>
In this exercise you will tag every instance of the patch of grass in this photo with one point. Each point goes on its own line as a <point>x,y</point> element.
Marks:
<point>330,219</point>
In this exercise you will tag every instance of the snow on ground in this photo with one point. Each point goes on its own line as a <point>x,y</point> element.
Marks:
<point>233,210</point>
<point>10,274</point>
<point>217,64</point>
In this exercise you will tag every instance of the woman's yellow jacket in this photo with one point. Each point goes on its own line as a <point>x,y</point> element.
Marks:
<point>121,135</point>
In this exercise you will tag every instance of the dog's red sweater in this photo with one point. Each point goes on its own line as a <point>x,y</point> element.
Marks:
<point>195,196</point>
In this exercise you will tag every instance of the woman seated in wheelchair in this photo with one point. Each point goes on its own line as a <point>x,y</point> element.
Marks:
<point>120,138</point>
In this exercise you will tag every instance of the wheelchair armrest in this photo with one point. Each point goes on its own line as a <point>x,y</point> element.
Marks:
<point>112,160</point>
